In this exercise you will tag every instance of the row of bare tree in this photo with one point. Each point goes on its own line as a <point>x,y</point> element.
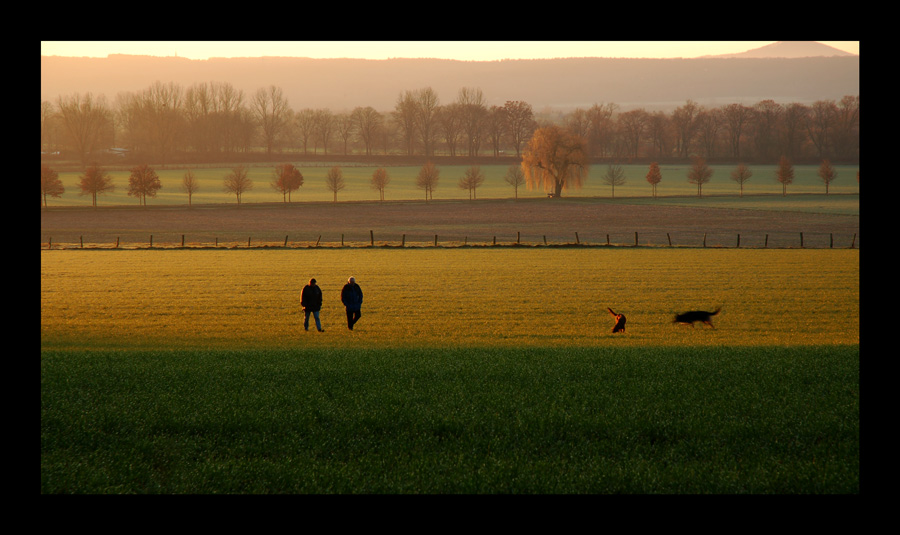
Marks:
<point>144,182</point>
<point>212,119</point>
<point>553,161</point>
<point>556,158</point>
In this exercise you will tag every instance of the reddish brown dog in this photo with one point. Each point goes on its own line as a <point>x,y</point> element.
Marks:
<point>619,327</point>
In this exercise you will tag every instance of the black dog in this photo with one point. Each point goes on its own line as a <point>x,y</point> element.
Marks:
<point>620,322</point>
<point>695,316</point>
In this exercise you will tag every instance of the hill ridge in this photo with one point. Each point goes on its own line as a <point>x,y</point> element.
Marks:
<point>562,84</point>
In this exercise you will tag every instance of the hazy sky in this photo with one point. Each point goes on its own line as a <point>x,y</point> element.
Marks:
<point>461,50</point>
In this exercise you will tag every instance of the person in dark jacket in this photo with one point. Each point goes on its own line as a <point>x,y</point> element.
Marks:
<point>311,301</point>
<point>352,297</point>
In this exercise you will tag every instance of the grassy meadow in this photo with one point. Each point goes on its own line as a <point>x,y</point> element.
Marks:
<point>471,371</point>
<point>402,186</point>
<point>223,299</point>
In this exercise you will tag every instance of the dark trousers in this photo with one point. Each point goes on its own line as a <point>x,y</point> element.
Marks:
<point>352,318</point>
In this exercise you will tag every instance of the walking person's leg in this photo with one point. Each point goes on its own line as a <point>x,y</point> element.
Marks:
<point>318,323</point>
<point>306,320</point>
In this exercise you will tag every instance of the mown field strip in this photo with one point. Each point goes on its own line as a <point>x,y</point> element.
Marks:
<point>158,299</point>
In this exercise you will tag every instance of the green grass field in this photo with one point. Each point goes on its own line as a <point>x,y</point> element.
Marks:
<point>402,185</point>
<point>471,371</point>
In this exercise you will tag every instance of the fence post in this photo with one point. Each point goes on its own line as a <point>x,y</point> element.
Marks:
<point>49,243</point>
<point>372,238</point>
<point>801,240</point>
<point>318,240</point>
<point>669,238</point>
<point>518,237</point>
<point>607,239</point>
<point>853,244</point>
<point>403,241</point>
<point>182,240</point>
<point>545,239</point>
<point>739,241</point>
<point>495,240</point>
<point>767,241</point>
<point>81,238</point>
<point>285,241</point>
<point>435,240</point>
<point>342,240</point>
<point>831,244</point>
<point>577,242</point>
<point>635,239</point>
<point>704,239</point>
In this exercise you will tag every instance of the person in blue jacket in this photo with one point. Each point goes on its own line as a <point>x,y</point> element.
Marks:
<point>352,297</point>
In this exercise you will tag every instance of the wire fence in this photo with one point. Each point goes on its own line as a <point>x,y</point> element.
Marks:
<point>679,239</point>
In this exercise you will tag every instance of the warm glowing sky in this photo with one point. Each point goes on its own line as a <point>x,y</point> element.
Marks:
<point>461,50</point>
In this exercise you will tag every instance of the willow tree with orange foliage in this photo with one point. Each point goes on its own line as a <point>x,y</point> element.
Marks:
<point>555,159</point>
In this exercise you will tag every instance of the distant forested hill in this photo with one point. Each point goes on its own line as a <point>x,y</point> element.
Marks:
<point>343,84</point>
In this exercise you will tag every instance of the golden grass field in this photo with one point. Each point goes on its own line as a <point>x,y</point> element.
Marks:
<point>462,297</point>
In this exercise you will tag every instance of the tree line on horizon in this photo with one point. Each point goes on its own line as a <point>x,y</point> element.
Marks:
<point>215,120</point>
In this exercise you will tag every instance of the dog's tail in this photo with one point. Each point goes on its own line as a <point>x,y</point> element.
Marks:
<point>716,311</point>
<point>611,311</point>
